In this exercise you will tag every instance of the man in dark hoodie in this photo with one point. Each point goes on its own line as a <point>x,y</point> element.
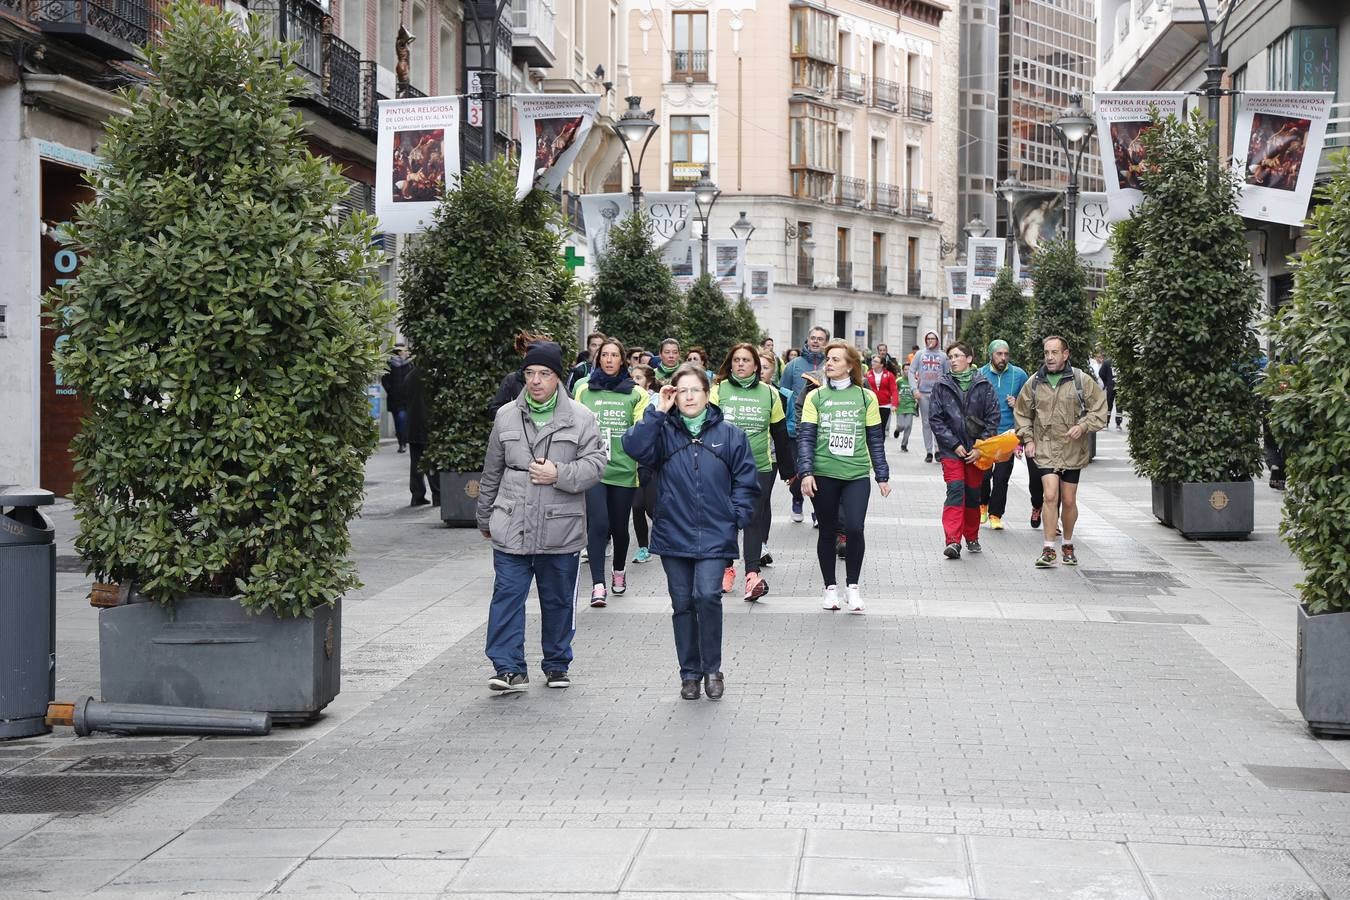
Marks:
<point>396,393</point>
<point>927,369</point>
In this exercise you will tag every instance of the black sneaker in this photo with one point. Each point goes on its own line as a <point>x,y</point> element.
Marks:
<point>928,458</point>
<point>766,560</point>
<point>952,551</point>
<point>1036,517</point>
<point>509,682</point>
<point>557,679</point>
<point>973,546</point>
<point>904,448</point>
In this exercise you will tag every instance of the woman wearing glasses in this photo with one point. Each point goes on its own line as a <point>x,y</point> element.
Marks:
<point>707,490</point>
<point>617,403</point>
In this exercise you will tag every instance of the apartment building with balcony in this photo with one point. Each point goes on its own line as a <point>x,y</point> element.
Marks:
<point>832,128</point>
<point>1270,45</point>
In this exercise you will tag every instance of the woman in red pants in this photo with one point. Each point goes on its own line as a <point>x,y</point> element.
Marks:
<point>962,410</point>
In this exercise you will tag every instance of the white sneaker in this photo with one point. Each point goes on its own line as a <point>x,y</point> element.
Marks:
<point>831,598</point>
<point>855,603</point>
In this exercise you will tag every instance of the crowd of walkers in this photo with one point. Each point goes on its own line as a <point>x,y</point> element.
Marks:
<point>689,449</point>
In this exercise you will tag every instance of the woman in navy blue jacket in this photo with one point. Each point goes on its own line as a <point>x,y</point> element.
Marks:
<point>707,489</point>
<point>962,411</point>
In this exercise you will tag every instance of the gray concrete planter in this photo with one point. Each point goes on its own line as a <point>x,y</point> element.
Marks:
<point>209,651</point>
<point>459,498</point>
<point>1214,511</point>
<point>1162,501</point>
<point>1322,685</point>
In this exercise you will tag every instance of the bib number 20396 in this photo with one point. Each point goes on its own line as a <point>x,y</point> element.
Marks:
<point>842,443</point>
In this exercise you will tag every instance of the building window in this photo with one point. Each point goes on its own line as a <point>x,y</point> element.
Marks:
<point>689,145</point>
<point>689,50</point>
<point>1303,59</point>
<point>803,320</point>
<point>813,150</point>
<point>815,34</point>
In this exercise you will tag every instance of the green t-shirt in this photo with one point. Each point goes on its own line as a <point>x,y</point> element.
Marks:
<point>907,404</point>
<point>615,413</point>
<point>751,410</point>
<point>841,419</point>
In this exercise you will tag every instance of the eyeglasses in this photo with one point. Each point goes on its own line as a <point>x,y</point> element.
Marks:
<point>538,374</point>
<point>689,392</point>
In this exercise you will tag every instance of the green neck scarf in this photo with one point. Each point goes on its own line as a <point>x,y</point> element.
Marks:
<point>541,413</point>
<point>744,383</point>
<point>963,379</point>
<point>663,373</point>
<point>695,425</point>
<point>1054,378</point>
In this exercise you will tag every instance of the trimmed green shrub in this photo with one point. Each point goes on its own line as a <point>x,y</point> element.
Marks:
<point>710,321</point>
<point>1060,304</point>
<point>223,330</point>
<point>973,333</point>
<point>1192,304</point>
<point>634,295</point>
<point>747,323</point>
<point>1007,317</point>
<point>487,267</point>
<point>1116,320</point>
<point>1309,393</point>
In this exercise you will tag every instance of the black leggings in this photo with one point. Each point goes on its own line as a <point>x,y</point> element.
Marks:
<point>754,536</point>
<point>836,499</point>
<point>644,504</point>
<point>607,509</point>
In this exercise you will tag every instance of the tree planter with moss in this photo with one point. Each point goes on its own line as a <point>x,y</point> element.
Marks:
<point>1310,416</point>
<point>488,266</point>
<point>223,331</point>
<point>1178,318</point>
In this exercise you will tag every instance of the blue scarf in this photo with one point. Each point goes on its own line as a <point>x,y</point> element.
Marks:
<point>815,357</point>
<point>620,382</point>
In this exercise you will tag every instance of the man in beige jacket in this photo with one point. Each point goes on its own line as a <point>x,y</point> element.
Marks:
<point>1055,412</point>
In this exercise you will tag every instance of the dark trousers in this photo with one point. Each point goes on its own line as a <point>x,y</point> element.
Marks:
<point>757,532</point>
<point>841,506</point>
<point>607,511</point>
<point>644,503</point>
<point>885,419</point>
<point>1034,477</point>
<point>418,480</point>
<point>696,612</point>
<point>556,576</point>
<point>994,493</point>
<point>1111,404</point>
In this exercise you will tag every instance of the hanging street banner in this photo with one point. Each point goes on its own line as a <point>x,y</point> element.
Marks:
<point>1037,216</point>
<point>1277,143</point>
<point>416,158</point>
<point>1122,119</point>
<point>1094,231</point>
<point>681,257</point>
<point>670,212</point>
<point>727,265</point>
<point>552,129</point>
<point>957,295</point>
<point>760,288</point>
<point>985,258</point>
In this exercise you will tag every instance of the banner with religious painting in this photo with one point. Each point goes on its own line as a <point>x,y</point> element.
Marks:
<point>1122,119</point>
<point>416,158</point>
<point>1277,144</point>
<point>553,128</point>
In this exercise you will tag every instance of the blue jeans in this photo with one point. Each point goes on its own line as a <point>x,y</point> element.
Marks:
<point>556,575</point>
<point>400,425</point>
<point>696,604</point>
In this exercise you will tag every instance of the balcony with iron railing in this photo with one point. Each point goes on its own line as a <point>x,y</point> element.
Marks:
<point>116,29</point>
<point>849,191</point>
<point>879,274</point>
<point>689,65</point>
<point>885,196</point>
<point>920,104</point>
<point>299,21</point>
<point>806,270</point>
<point>918,203</point>
<point>342,87</point>
<point>844,270</point>
<point>850,85</point>
<point>368,118</point>
<point>885,94</point>
<point>532,33</point>
<point>914,286</point>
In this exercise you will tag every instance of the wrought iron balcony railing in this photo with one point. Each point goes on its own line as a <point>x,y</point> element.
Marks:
<point>920,104</point>
<point>806,271</point>
<point>885,94</point>
<point>850,191</point>
<point>342,77</point>
<point>918,203</point>
<point>885,196</point>
<point>845,272</point>
<point>113,28</point>
<point>914,287</point>
<point>689,65</point>
<point>879,274</point>
<point>850,85</point>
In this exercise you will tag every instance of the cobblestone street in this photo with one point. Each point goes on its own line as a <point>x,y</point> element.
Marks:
<point>987,730</point>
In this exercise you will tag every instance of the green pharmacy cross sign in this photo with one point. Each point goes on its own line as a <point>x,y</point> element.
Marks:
<point>571,260</point>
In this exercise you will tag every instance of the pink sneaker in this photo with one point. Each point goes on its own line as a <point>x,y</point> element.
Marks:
<point>598,596</point>
<point>619,583</point>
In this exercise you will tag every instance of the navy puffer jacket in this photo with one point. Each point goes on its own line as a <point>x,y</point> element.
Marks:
<point>951,409</point>
<point>707,485</point>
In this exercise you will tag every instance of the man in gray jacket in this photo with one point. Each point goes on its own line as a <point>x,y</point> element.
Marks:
<point>543,454</point>
<point>925,371</point>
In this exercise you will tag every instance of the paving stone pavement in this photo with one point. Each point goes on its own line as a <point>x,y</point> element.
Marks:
<point>986,730</point>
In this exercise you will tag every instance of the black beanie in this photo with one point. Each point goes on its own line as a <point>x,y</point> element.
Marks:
<point>545,353</point>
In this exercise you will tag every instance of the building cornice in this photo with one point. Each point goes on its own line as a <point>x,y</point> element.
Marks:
<point>73,96</point>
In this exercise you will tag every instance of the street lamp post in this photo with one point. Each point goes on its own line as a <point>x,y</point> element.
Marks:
<point>705,198</point>
<point>1073,127</point>
<point>484,31</point>
<point>1214,69</point>
<point>742,228</point>
<point>636,124</point>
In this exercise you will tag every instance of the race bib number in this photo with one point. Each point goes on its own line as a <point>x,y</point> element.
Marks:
<point>842,443</point>
<point>607,438</point>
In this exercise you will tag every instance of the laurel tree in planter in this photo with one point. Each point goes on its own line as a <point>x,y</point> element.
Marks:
<point>1007,317</point>
<point>1059,304</point>
<point>635,296</point>
<point>1193,302</point>
<point>1309,395</point>
<point>223,330</point>
<point>487,267</point>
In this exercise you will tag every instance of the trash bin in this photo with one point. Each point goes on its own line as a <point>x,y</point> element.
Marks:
<point>27,611</point>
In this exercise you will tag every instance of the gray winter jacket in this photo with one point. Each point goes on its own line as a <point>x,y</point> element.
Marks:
<point>525,518</point>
